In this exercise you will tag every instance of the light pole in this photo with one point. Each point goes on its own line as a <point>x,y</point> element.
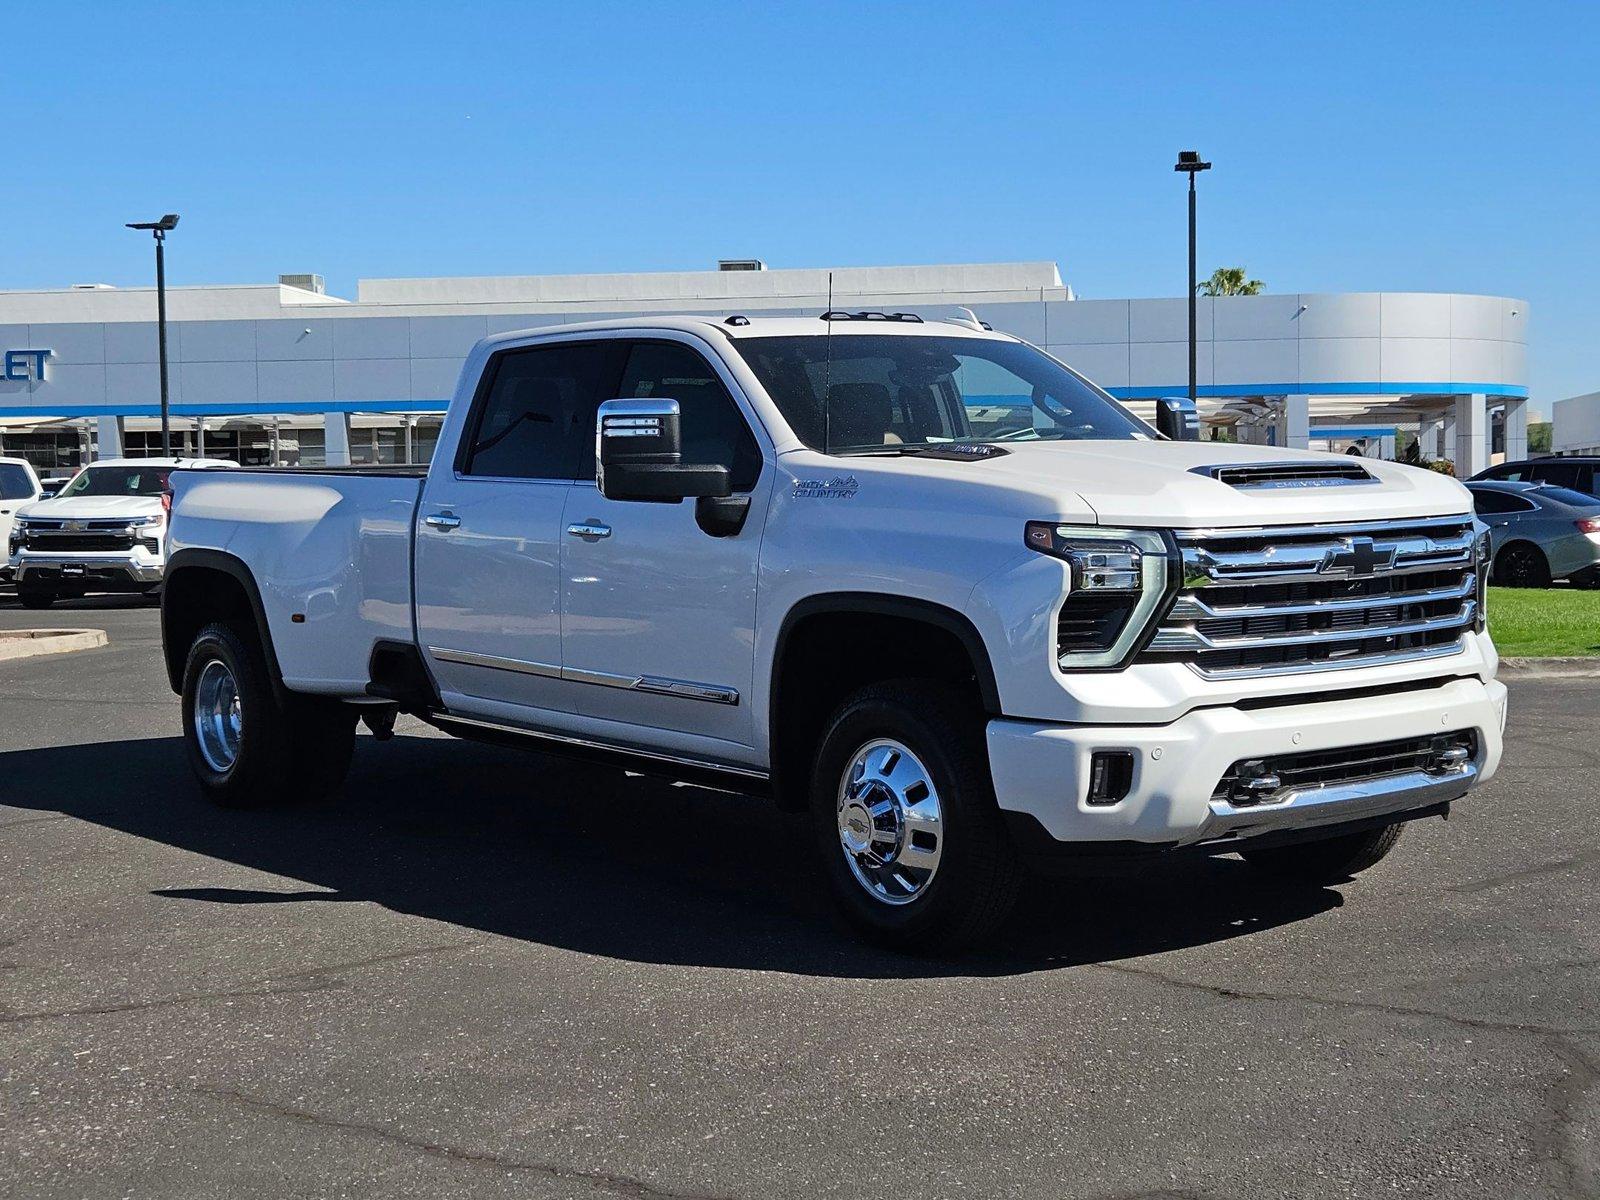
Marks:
<point>160,229</point>
<point>1189,162</point>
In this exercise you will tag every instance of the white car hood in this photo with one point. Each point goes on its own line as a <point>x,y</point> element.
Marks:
<point>93,508</point>
<point>1163,484</point>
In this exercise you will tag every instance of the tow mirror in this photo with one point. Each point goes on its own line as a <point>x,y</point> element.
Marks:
<point>638,455</point>
<point>1178,418</point>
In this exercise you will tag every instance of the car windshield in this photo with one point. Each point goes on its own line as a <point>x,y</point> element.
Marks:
<point>888,393</point>
<point>117,481</point>
<point>15,483</point>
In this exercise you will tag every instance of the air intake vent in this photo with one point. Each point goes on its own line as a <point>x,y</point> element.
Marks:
<point>1290,475</point>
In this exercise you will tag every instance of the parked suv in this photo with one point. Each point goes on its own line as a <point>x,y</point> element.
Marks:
<point>1578,472</point>
<point>918,580</point>
<point>105,531</point>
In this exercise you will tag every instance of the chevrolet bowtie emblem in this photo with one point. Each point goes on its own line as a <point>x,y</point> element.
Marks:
<point>72,526</point>
<point>1358,556</point>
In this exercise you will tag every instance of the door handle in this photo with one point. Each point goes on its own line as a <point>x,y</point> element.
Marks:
<point>589,530</point>
<point>444,520</point>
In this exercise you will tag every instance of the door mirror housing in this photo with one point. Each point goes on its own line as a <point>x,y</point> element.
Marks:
<point>638,455</point>
<point>1178,418</point>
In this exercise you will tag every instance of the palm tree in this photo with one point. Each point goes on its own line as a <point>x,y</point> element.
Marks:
<point>1230,281</point>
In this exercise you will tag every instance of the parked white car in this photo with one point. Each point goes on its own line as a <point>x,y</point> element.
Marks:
<point>105,531</point>
<point>19,487</point>
<point>919,580</point>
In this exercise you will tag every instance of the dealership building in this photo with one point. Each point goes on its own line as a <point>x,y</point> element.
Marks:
<point>284,373</point>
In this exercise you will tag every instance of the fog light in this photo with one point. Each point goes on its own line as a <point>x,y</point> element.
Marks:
<point>1110,775</point>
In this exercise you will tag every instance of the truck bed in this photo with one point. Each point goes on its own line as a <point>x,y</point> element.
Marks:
<point>329,551</point>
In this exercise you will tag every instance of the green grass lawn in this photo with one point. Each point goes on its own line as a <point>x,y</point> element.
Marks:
<point>1544,622</point>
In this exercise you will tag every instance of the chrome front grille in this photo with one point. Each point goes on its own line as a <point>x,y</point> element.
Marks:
<point>1317,597</point>
<point>77,537</point>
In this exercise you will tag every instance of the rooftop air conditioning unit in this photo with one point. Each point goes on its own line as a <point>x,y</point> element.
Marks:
<point>306,283</point>
<point>741,264</point>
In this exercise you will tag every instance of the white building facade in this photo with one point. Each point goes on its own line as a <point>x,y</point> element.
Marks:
<point>1576,425</point>
<point>285,373</point>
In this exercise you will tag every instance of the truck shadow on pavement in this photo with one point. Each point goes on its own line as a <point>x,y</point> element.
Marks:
<point>599,862</point>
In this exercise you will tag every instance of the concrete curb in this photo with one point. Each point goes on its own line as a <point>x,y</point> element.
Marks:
<point>27,643</point>
<point>1551,668</point>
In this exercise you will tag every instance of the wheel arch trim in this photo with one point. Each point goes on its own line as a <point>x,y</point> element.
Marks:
<point>197,558</point>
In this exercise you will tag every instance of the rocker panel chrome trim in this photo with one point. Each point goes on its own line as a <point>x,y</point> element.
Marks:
<point>656,685</point>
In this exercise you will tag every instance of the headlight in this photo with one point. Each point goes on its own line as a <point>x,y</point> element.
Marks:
<point>1117,580</point>
<point>139,522</point>
<point>1482,560</point>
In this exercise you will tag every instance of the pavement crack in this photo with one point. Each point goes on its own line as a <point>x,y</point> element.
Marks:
<point>4,825</point>
<point>601,1181</point>
<point>1533,872</point>
<point>258,987</point>
<point>102,1010</point>
<point>1337,1002</point>
<point>1565,1142</point>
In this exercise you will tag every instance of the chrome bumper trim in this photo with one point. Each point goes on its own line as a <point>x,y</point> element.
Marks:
<point>1334,804</point>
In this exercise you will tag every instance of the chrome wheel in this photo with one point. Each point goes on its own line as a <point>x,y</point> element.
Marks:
<point>891,828</point>
<point>217,718</point>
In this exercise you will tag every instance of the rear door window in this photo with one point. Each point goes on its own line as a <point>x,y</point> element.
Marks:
<point>714,430</point>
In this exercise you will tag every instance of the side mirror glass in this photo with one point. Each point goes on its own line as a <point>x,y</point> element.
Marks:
<point>638,455</point>
<point>1178,418</point>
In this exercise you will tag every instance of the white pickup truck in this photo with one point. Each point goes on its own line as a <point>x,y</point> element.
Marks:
<point>916,579</point>
<point>105,531</point>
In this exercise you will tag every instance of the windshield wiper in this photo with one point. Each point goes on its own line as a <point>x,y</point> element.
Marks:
<point>947,451</point>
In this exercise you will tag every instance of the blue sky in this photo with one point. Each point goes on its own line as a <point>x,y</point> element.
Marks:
<point>1430,147</point>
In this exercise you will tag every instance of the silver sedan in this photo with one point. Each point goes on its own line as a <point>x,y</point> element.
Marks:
<point>1541,533</point>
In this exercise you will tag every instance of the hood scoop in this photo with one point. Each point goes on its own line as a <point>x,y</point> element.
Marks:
<point>1267,476</point>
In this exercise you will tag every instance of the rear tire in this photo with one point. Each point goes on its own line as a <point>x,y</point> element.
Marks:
<point>903,810</point>
<point>35,599</point>
<point>247,747</point>
<point>1522,565</point>
<point>1329,860</point>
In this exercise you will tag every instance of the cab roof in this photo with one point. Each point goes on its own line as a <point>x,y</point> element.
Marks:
<point>735,326</point>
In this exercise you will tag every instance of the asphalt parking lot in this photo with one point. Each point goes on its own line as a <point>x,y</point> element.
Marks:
<point>484,973</point>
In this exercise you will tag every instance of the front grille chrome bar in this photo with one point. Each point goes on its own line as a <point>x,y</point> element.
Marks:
<point>1321,597</point>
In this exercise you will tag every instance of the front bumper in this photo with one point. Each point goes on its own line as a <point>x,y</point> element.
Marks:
<point>1041,771</point>
<point>92,572</point>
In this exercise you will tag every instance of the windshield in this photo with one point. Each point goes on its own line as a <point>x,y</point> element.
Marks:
<point>887,392</point>
<point>15,482</point>
<point>117,481</point>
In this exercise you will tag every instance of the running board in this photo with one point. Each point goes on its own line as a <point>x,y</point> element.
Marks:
<point>723,777</point>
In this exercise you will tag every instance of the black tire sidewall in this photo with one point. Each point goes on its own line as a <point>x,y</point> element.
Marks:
<point>1538,566</point>
<point>961,900</point>
<point>261,733</point>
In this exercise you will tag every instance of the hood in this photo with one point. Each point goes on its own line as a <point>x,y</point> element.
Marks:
<point>1169,484</point>
<point>93,507</point>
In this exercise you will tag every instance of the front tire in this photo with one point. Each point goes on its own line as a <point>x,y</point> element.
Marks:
<point>248,748</point>
<point>1329,860</point>
<point>1522,565</point>
<point>35,599</point>
<point>904,815</point>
